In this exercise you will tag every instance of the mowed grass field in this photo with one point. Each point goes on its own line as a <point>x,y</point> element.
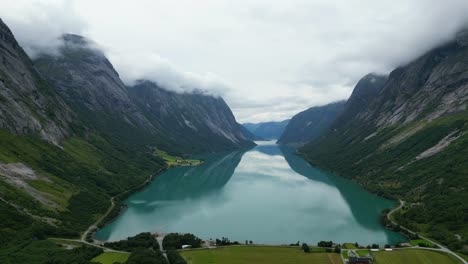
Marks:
<point>258,255</point>
<point>413,256</point>
<point>111,257</point>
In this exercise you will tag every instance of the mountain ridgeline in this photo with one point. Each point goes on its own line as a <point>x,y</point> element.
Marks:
<point>267,130</point>
<point>406,137</point>
<point>145,112</point>
<point>309,124</point>
<point>73,135</point>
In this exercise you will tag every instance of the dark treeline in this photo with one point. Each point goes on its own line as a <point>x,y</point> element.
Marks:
<point>176,241</point>
<point>175,258</point>
<point>140,241</point>
<point>147,257</point>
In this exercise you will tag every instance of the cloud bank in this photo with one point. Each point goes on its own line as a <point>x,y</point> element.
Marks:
<point>269,60</point>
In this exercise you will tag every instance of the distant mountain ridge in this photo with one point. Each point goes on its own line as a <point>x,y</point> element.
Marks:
<point>267,130</point>
<point>309,124</point>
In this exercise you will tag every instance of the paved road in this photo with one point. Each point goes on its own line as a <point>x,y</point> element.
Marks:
<point>441,247</point>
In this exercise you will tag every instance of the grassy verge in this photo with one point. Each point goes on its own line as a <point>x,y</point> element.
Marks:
<point>421,242</point>
<point>258,255</point>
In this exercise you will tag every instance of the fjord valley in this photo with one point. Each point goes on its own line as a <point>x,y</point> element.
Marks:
<point>112,153</point>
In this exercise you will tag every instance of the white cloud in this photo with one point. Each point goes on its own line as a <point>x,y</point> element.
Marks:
<point>37,25</point>
<point>269,59</point>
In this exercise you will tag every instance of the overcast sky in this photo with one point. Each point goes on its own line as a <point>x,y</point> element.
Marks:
<point>268,59</point>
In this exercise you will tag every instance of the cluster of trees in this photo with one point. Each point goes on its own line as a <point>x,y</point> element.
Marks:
<point>175,258</point>
<point>80,255</point>
<point>224,241</point>
<point>337,248</point>
<point>327,244</point>
<point>145,256</point>
<point>176,241</point>
<point>140,241</point>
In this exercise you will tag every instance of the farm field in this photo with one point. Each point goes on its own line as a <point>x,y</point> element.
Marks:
<point>110,258</point>
<point>413,256</point>
<point>258,255</point>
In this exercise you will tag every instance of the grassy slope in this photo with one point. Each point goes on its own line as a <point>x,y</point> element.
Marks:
<point>258,255</point>
<point>84,175</point>
<point>413,257</point>
<point>435,184</point>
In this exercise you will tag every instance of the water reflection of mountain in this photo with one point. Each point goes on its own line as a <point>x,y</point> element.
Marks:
<point>192,182</point>
<point>268,148</point>
<point>359,201</point>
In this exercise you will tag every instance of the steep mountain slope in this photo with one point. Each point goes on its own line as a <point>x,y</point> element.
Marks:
<point>56,173</point>
<point>203,122</point>
<point>410,141</point>
<point>27,103</point>
<point>309,124</point>
<point>143,114</point>
<point>267,130</point>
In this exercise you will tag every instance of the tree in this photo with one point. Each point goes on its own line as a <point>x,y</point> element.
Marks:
<point>305,248</point>
<point>337,249</point>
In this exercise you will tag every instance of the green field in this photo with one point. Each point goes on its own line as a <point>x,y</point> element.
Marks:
<point>111,257</point>
<point>413,256</point>
<point>416,242</point>
<point>175,160</point>
<point>258,255</point>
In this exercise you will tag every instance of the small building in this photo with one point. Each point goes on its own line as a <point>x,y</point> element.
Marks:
<point>186,246</point>
<point>360,260</point>
<point>388,249</point>
<point>374,249</point>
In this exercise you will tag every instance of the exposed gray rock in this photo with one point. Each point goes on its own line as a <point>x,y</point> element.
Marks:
<point>27,103</point>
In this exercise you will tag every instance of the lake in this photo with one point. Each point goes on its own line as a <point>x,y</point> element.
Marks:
<point>266,194</point>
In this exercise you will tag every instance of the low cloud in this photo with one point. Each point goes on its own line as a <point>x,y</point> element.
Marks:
<point>38,25</point>
<point>134,66</point>
<point>269,60</point>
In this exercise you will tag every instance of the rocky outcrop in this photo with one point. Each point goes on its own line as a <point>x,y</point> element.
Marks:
<point>28,105</point>
<point>309,124</point>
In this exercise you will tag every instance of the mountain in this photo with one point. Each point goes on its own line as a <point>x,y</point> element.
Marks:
<point>408,139</point>
<point>249,134</point>
<point>143,114</point>
<point>203,122</point>
<point>73,138</point>
<point>28,104</point>
<point>309,124</point>
<point>267,130</point>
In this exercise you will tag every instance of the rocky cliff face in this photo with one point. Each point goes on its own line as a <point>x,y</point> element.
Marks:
<point>28,105</point>
<point>408,139</point>
<point>309,124</point>
<point>190,119</point>
<point>88,82</point>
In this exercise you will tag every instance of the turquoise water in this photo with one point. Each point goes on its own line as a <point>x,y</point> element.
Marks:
<point>267,195</point>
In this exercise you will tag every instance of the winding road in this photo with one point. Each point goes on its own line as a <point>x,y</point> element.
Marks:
<point>441,247</point>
